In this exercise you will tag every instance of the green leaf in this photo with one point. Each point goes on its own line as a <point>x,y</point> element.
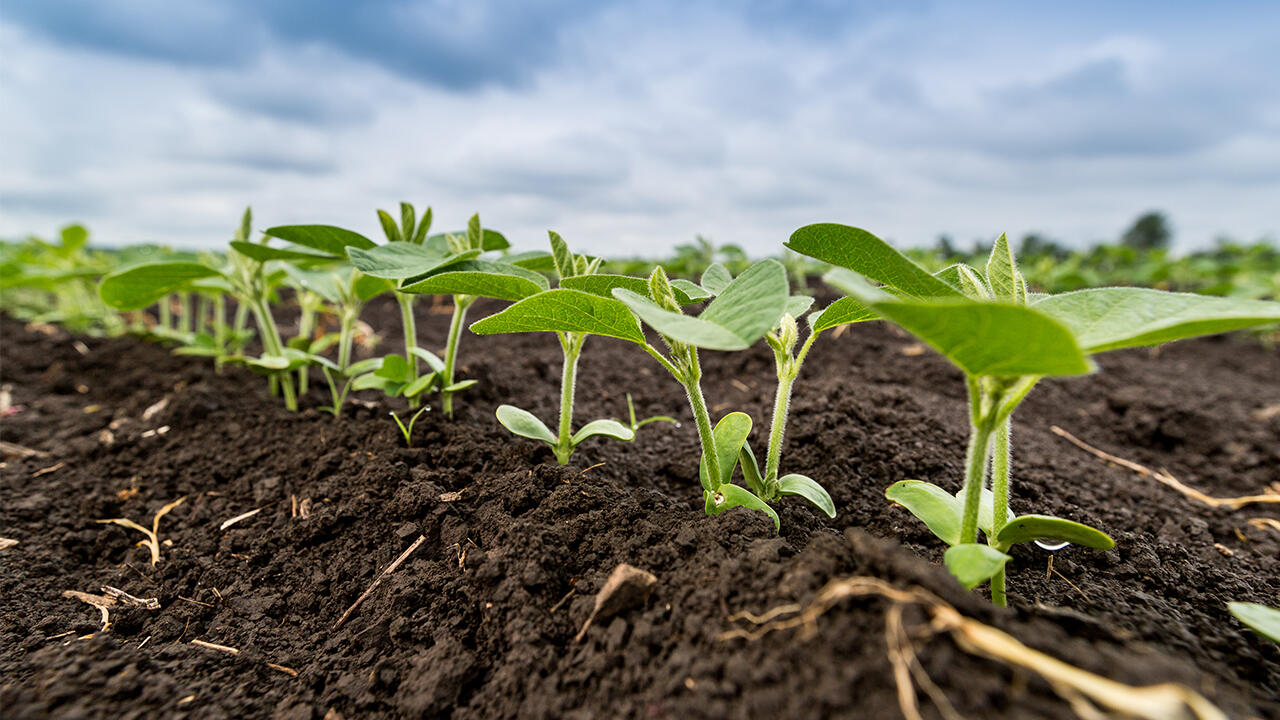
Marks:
<point>604,284</point>
<point>844,311</point>
<point>731,496</point>
<point>264,253</point>
<point>408,221</point>
<point>1002,274</point>
<point>1261,619</point>
<point>798,305</point>
<point>475,234</point>
<point>751,469</point>
<point>1026,528</point>
<point>394,367</point>
<point>423,226</point>
<point>373,381</point>
<point>974,563</point>
<point>325,238</point>
<point>459,386</point>
<point>364,366</point>
<point>1114,318</point>
<point>986,509</point>
<point>990,339</point>
<point>808,489</point>
<point>748,308</point>
<point>479,277</point>
<point>328,284</point>
<point>74,237</point>
<point>420,385</point>
<point>143,285</point>
<point>866,254</point>
<point>969,281</point>
<point>695,293</point>
<point>524,423</point>
<point>389,227</point>
<point>432,360</point>
<point>563,310</point>
<point>536,260</point>
<point>562,256</point>
<point>937,508</point>
<point>730,434</point>
<point>715,279</point>
<point>367,287</point>
<point>608,428</point>
<point>403,260</point>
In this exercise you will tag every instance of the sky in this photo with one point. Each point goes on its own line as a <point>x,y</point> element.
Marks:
<point>630,127</point>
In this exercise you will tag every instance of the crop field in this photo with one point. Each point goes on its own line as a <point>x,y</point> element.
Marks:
<point>458,474</point>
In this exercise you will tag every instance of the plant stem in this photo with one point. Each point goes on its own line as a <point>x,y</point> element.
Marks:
<point>975,466</point>
<point>164,318</point>
<point>781,403</point>
<point>237,328</point>
<point>306,324</point>
<point>698,403</point>
<point>1000,463</point>
<point>202,312</point>
<point>272,345</point>
<point>346,334</point>
<point>184,312</point>
<point>220,325</point>
<point>410,340</point>
<point>460,305</point>
<point>572,345</point>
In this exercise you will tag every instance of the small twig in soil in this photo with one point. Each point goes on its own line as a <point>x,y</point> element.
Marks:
<point>14,450</point>
<point>1165,478</point>
<point>50,469</point>
<point>593,467</point>
<point>1265,523</point>
<point>390,569</point>
<point>195,602</point>
<point>110,598</point>
<point>6,543</point>
<point>562,601</point>
<point>233,651</point>
<point>238,518</point>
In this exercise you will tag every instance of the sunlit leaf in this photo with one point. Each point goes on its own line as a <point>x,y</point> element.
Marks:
<point>325,238</point>
<point>525,424</point>
<point>1026,528</point>
<point>563,310</point>
<point>866,254</point>
<point>974,563</point>
<point>810,490</point>
<point>607,428</point>
<point>144,285</point>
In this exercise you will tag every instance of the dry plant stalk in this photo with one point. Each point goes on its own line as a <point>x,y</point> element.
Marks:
<point>1090,695</point>
<point>111,597</point>
<point>153,540</point>
<point>1163,476</point>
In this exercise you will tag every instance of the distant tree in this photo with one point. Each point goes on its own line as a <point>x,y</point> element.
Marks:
<point>1036,245</point>
<point>1149,232</point>
<point>945,247</point>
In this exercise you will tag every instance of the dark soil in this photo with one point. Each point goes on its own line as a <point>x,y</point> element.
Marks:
<point>480,620</point>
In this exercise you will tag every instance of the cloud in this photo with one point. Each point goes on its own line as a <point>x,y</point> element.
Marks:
<point>631,127</point>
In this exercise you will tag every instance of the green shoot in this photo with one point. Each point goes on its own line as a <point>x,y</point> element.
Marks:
<point>406,431</point>
<point>528,315</point>
<point>1005,341</point>
<point>636,425</point>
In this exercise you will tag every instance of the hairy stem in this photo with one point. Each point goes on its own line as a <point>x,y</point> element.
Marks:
<point>410,327</point>
<point>306,324</point>
<point>346,335</point>
<point>781,404</point>
<point>460,305</point>
<point>572,345</point>
<point>272,345</point>
<point>698,403</point>
<point>975,473</point>
<point>1000,464</point>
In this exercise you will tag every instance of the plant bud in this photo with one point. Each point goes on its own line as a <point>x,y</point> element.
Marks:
<point>661,292</point>
<point>788,333</point>
<point>457,244</point>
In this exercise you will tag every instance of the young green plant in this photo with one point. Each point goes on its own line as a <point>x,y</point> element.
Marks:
<point>528,315</point>
<point>1005,341</point>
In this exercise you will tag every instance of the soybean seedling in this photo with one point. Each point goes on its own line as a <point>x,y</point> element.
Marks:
<point>526,316</point>
<point>152,542</point>
<point>1005,340</point>
<point>635,425</point>
<point>413,231</point>
<point>450,264</point>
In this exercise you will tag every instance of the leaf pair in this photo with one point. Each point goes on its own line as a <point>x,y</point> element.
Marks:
<point>793,484</point>
<point>392,375</point>
<point>719,493</point>
<point>975,563</point>
<point>526,424</point>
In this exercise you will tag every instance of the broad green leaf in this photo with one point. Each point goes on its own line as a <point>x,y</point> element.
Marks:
<point>143,285</point>
<point>393,367</point>
<point>524,424</point>
<point>420,235</point>
<point>1114,318</point>
<point>715,279</point>
<point>536,260</point>
<point>373,381</point>
<point>730,434</point>
<point>974,563</point>
<point>1002,273</point>
<point>479,277</point>
<point>423,384</point>
<point>986,339</point>
<point>968,280</point>
<point>432,360</point>
<point>493,240</point>
<point>408,221</point>
<point>1261,619</point>
<point>563,310</point>
<point>562,256</point>
<point>389,227</point>
<point>798,305</point>
<point>866,254</point>
<point>751,305</point>
<point>695,293</point>
<point>808,489</point>
<point>608,428</point>
<point>937,508</point>
<point>604,284</point>
<point>74,237</point>
<point>264,253</point>
<point>751,469</point>
<point>364,366</point>
<point>844,311</point>
<point>731,496</point>
<point>403,260</point>
<point>367,287</point>
<point>475,233</point>
<point>328,284</point>
<point>325,238</point>
<point>684,328</point>
<point>1026,528</point>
